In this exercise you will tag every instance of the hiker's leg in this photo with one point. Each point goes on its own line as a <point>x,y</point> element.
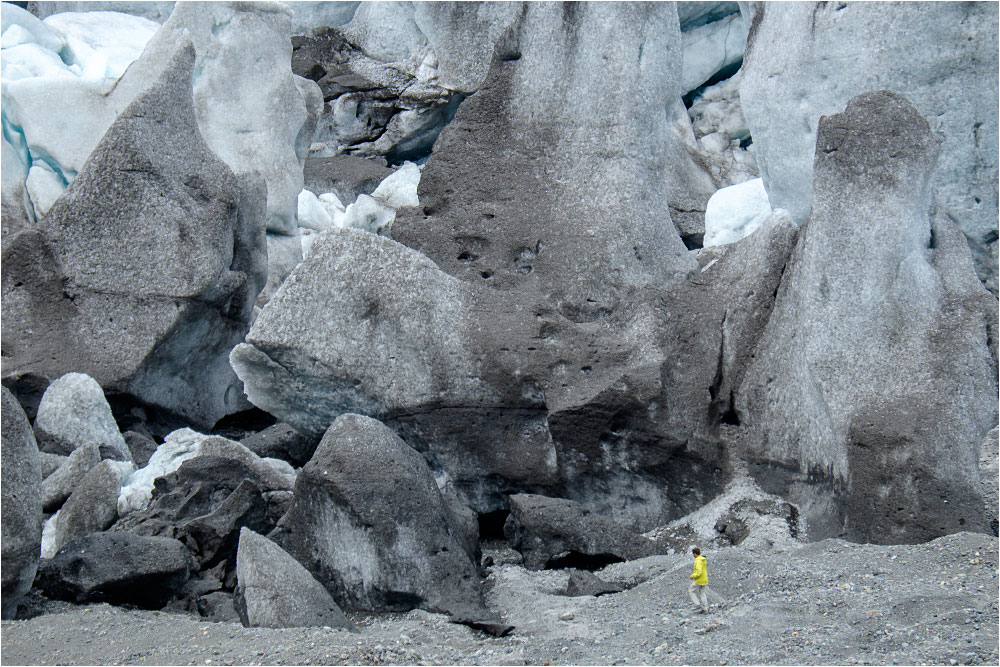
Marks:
<point>693,593</point>
<point>703,593</point>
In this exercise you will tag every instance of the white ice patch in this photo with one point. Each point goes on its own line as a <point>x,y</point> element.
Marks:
<point>103,44</point>
<point>177,448</point>
<point>368,214</point>
<point>312,213</point>
<point>49,536</point>
<point>400,187</point>
<point>735,212</point>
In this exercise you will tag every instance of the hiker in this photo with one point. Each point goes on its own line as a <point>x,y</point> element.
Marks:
<point>699,581</point>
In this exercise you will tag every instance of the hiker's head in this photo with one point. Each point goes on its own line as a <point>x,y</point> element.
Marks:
<point>696,551</point>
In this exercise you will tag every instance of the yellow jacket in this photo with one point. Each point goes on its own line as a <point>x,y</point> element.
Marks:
<point>700,574</point>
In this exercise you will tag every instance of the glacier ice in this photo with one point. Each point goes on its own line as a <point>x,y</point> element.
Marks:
<point>312,213</point>
<point>12,16</point>
<point>735,212</point>
<point>103,44</point>
<point>400,187</point>
<point>711,48</point>
<point>68,62</point>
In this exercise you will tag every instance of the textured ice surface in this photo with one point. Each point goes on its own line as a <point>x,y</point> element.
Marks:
<point>103,44</point>
<point>49,536</point>
<point>400,187</point>
<point>12,16</point>
<point>735,212</point>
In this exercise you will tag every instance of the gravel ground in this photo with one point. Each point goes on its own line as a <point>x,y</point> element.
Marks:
<point>829,602</point>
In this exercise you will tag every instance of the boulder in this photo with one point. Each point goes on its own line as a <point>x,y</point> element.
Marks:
<point>22,506</point>
<point>584,582</point>
<point>274,591</point>
<point>874,382</point>
<point>117,568</point>
<point>218,607</point>
<point>93,505</point>
<point>184,444</point>
<point>283,442</point>
<point>73,412</point>
<point>204,503</point>
<point>83,277</point>
<point>793,74</point>
<point>367,520</point>
<point>50,462</point>
<point>140,446</point>
<point>58,486</point>
<point>552,531</point>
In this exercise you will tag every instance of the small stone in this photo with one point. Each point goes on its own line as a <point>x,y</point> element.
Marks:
<point>566,616</point>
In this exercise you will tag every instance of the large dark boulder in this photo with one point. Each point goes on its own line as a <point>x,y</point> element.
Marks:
<point>144,273</point>
<point>204,504</point>
<point>274,591</point>
<point>867,399</point>
<point>369,523</point>
<point>553,531</point>
<point>22,503</point>
<point>562,120</point>
<point>116,568</point>
<point>281,441</point>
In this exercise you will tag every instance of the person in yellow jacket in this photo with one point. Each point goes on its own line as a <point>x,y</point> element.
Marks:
<point>698,591</point>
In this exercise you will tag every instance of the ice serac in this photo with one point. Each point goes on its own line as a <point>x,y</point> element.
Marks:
<point>144,273</point>
<point>367,519</point>
<point>875,376</point>
<point>249,105</point>
<point>564,107</point>
<point>795,71</point>
<point>22,504</point>
<point>274,591</point>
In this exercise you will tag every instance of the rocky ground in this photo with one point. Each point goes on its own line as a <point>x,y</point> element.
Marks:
<point>829,602</point>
